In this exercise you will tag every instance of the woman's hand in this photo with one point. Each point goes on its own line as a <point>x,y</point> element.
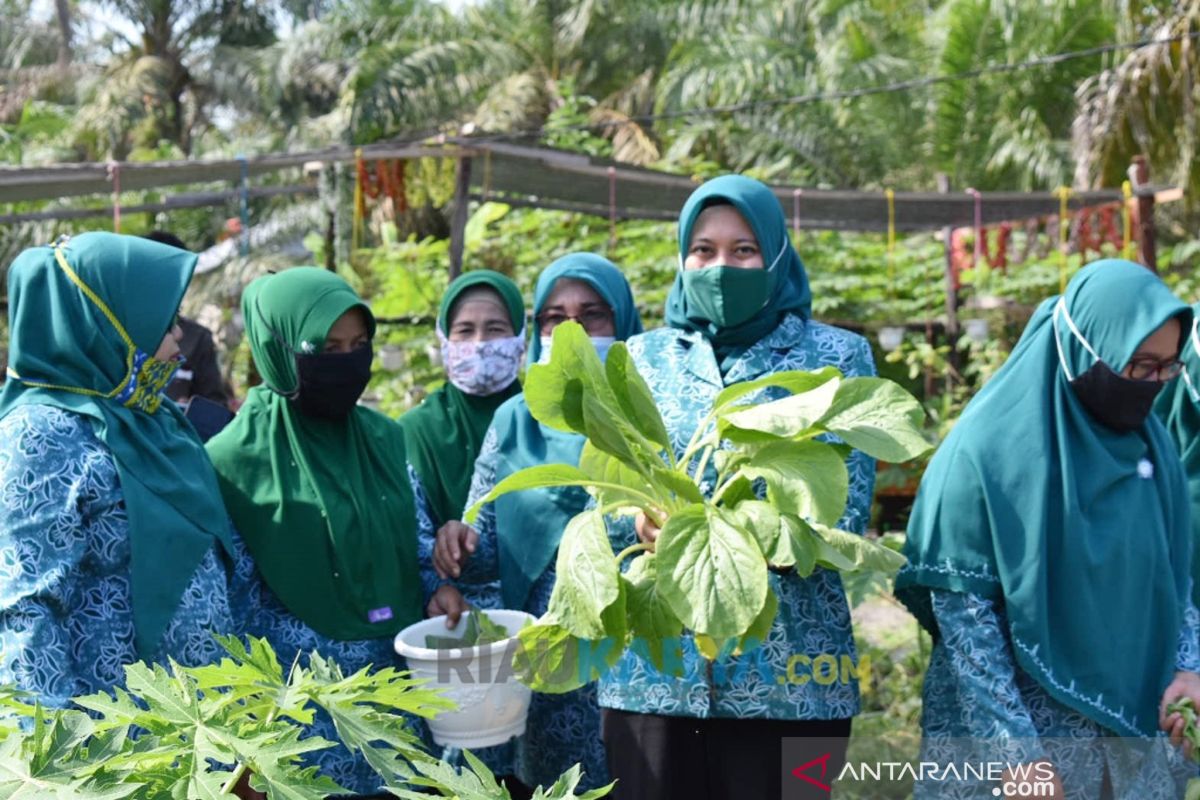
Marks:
<point>1186,684</point>
<point>647,531</point>
<point>455,544</point>
<point>447,600</point>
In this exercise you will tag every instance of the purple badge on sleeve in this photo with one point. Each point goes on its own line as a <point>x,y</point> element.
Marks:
<point>379,614</point>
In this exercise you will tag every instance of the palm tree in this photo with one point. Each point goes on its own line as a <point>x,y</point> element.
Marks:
<point>1012,128</point>
<point>1145,104</point>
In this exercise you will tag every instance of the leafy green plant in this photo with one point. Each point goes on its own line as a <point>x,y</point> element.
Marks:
<point>479,630</point>
<point>1191,734</point>
<point>194,732</point>
<point>707,571</point>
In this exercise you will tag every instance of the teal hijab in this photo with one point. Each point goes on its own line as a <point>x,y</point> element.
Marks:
<point>83,317</point>
<point>787,281</point>
<point>1179,408</point>
<point>1080,532</point>
<point>531,523</point>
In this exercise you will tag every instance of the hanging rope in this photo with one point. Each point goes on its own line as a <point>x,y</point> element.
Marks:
<point>487,174</point>
<point>114,175</point>
<point>612,208</point>
<point>244,166</point>
<point>1127,239</point>
<point>796,210</point>
<point>978,226</point>
<point>891,241</point>
<point>1064,228</point>
<point>356,226</point>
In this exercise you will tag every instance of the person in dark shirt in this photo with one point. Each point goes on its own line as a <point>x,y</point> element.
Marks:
<point>201,372</point>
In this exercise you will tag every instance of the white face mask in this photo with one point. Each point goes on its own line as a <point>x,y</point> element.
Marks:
<point>482,368</point>
<point>1187,379</point>
<point>602,344</point>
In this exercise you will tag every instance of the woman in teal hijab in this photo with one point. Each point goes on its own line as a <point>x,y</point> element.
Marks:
<point>740,309</point>
<point>110,514</point>
<point>508,560</point>
<point>1179,408</point>
<point>1049,551</point>
<point>320,492</point>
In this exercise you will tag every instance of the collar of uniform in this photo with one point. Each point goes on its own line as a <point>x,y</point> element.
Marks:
<point>701,361</point>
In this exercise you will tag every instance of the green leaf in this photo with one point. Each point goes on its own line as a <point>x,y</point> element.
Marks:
<point>849,552</point>
<point>879,418</point>
<point>806,478</point>
<point>785,418</point>
<point>532,478</point>
<point>554,391</point>
<point>757,633</point>
<point>794,381</point>
<point>760,518</point>
<point>795,547</point>
<point>710,572</point>
<point>651,620</point>
<point>634,397</point>
<point>629,485</point>
<point>587,576</point>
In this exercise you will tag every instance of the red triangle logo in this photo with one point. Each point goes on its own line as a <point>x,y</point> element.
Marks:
<point>800,771</point>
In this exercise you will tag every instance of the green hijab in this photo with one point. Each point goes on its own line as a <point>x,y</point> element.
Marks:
<point>530,524</point>
<point>325,506</point>
<point>1081,532</point>
<point>787,281</point>
<point>444,433</point>
<point>83,316</point>
<point>1179,408</point>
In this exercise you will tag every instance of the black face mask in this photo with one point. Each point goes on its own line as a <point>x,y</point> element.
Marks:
<point>1117,402</point>
<point>331,383</point>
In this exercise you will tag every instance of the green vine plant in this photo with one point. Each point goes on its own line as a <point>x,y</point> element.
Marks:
<point>707,572</point>
<point>194,733</point>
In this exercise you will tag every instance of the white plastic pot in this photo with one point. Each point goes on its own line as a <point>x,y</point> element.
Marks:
<point>492,703</point>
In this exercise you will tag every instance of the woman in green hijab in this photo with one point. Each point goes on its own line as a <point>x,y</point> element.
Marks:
<point>111,522</point>
<point>480,326</point>
<point>319,489</point>
<point>1049,555</point>
<point>507,561</point>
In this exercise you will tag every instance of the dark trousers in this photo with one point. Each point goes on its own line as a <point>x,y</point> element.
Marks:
<point>681,758</point>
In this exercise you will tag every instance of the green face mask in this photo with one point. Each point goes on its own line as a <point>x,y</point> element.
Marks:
<point>726,296</point>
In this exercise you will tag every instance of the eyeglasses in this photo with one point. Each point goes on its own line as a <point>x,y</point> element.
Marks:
<point>592,319</point>
<point>1146,369</point>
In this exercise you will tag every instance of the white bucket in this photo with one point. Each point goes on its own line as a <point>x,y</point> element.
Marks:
<point>492,703</point>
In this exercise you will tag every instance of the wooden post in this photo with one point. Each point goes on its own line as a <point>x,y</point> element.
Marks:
<point>943,187</point>
<point>1139,171</point>
<point>458,220</point>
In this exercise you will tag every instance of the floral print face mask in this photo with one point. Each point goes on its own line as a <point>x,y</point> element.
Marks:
<point>482,368</point>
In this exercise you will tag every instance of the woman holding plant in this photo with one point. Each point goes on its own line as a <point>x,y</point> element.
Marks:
<point>740,309</point>
<point>320,491</point>
<point>1050,555</point>
<point>111,522</point>
<point>507,560</point>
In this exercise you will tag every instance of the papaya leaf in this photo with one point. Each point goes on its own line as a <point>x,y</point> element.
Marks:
<point>879,418</point>
<point>711,572</point>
